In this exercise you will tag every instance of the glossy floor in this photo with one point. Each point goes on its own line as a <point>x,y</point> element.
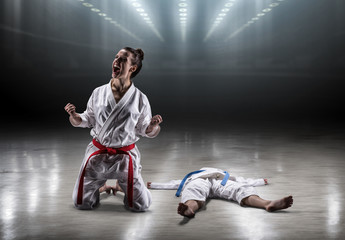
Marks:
<point>39,168</point>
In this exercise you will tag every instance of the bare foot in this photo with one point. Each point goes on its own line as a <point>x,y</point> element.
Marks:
<point>184,210</point>
<point>116,188</point>
<point>266,181</point>
<point>105,188</point>
<point>283,203</point>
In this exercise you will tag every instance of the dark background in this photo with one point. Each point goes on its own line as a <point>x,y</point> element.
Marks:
<point>288,66</point>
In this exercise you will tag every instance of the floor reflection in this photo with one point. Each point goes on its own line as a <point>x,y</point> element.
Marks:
<point>38,172</point>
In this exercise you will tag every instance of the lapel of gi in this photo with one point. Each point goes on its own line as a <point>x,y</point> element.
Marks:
<point>117,107</point>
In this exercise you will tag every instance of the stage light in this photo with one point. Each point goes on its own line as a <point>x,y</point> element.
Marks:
<point>87,5</point>
<point>223,12</point>
<point>273,5</point>
<point>182,8</point>
<point>253,19</point>
<point>135,4</point>
<point>139,7</point>
<point>104,15</point>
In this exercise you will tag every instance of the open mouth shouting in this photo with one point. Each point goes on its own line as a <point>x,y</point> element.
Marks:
<point>116,70</point>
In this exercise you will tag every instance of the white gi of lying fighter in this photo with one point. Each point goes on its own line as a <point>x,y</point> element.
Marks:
<point>207,182</point>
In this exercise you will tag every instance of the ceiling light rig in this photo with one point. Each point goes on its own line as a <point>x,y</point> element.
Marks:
<point>141,11</point>
<point>107,18</point>
<point>183,15</point>
<point>256,18</point>
<point>221,15</point>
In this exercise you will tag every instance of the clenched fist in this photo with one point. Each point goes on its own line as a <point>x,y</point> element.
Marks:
<point>155,121</point>
<point>74,117</point>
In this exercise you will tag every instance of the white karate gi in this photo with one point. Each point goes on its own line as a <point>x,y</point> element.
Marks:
<point>207,184</point>
<point>114,125</point>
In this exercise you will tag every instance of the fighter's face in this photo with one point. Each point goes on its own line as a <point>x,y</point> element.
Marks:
<point>122,64</point>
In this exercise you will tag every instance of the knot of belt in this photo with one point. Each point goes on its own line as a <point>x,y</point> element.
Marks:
<point>110,151</point>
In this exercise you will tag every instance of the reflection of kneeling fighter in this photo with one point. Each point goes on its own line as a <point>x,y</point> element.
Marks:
<point>206,183</point>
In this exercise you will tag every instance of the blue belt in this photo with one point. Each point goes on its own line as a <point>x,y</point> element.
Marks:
<point>178,193</point>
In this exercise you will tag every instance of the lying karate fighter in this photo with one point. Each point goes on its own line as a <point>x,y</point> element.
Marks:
<point>118,114</point>
<point>206,183</point>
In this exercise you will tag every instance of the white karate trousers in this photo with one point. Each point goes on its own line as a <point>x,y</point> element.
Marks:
<point>103,167</point>
<point>201,189</point>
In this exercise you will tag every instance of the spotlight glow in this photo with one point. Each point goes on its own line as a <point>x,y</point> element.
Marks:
<point>139,7</point>
<point>135,4</point>
<point>87,4</point>
<point>254,19</point>
<point>108,19</point>
<point>182,8</point>
<point>223,12</point>
<point>273,5</point>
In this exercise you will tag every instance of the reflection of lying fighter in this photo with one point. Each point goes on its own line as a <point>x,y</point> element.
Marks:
<point>206,183</point>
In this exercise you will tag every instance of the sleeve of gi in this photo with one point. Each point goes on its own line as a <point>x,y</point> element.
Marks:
<point>171,185</point>
<point>250,181</point>
<point>88,116</point>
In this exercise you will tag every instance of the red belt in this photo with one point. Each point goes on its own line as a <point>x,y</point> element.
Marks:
<point>110,151</point>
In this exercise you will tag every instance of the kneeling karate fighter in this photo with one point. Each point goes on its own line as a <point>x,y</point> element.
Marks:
<point>118,114</point>
<point>206,183</point>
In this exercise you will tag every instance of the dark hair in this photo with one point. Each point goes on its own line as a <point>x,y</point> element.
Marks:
<point>138,57</point>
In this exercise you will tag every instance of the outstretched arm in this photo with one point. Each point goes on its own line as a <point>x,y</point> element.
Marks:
<point>250,181</point>
<point>171,185</point>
